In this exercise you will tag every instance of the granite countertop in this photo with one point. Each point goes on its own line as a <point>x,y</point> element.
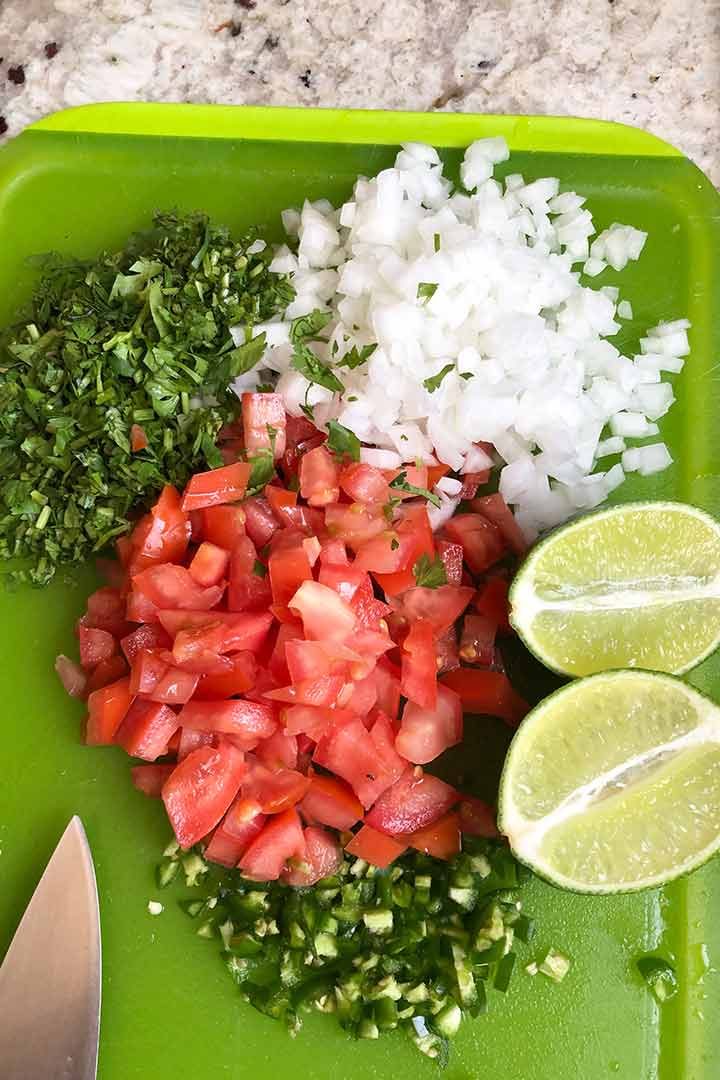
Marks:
<point>652,63</point>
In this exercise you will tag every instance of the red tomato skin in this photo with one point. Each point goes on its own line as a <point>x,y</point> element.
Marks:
<point>491,600</point>
<point>259,413</point>
<point>325,616</point>
<point>241,677</point>
<point>329,801</point>
<point>147,636</point>
<point>488,693</point>
<point>441,839</point>
<point>170,586</point>
<point>241,631</point>
<point>216,486</point>
<point>260,522</point>
<point>222,525</point>
<point>160,536</point>
<point>287,570</point>
<point>240,826</point>
<point>140,609</point>
<point>415,537</point>
<point>146,728</point>
<point>282,838</point>
<point>356,524</point>
<point>452,559</point>
<point>411,803</point>
<point>106,611</point>
<point>152,677</point>
<point>106,709</point>
<point>364,483</point>
<point>375,847</point>
<point>496,510</point>
<point>319,477</point>
<point>472,481</point>
<point>150,778</point>
<point>418,680</point>
<point>95,646</point>
<point>224,849</point>
<point>426,732</point>
<point>477,641</point>
<point>209,564</point>
<point>248,719</point>
<point>323,856</point>
<point>441,607</point>
<point>278,751</point>
<point>190,740</point>
<point>278,660</point>
<point>481,541</point>
<point>107,671</point>
<point>477,818</point>
<point>200,789</point>
<point>247,590</point>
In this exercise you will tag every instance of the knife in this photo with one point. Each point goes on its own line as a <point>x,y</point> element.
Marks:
<point>50,977</point>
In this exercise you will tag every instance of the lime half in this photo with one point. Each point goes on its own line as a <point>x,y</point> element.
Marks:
<point>613,783</point>
<point>631,586</point>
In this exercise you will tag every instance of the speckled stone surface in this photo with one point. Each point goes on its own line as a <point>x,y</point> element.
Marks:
<point>653,63</point>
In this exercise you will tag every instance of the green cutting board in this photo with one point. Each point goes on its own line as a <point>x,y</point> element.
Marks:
<point>84,179</point>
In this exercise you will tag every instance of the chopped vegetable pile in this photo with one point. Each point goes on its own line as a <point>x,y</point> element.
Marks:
<point>118,382</point>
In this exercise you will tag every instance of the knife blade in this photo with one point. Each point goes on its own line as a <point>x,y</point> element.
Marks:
<point>50,977</point>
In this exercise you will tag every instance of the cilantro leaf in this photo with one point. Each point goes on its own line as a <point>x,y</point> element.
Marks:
<point>434,381</point>
<point>436,241</point>
<point>260,569</point>
<point>263,468</point>
<point>426,290</point>
<point>308,364</point>
<point>244,357</point>
<point>343,441</point>
<point>400,483</point>
<point>355,357</point>
<point>430,573</point>
<point>389,509</point>
<point>307,327</point>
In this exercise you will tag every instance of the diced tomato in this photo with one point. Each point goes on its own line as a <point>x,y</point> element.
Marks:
<point>248,590</point>
<point>319,477</point>
<point>312,548</point>
<point>364,483</point>
<point>323,856</point>
<point>170,586</point>
<point>200,789</point>
<point>146,728</point>
<point>325,616</point>
<point>124,551</point>
<point>367,760</point>
<point>288,569</point>
<point>223,525</point>
<point>491,600</point>
<point>481,541</point>
<point>281,500</point>
<point>375,847</point>
<point>106,709</point>
<point>196,526</point>
<point>274,791</point>
<point>150,778</point>
<point>209,564</point>
<point>162,535</point>
<point>95,646</point>
<point>477,641</point>
<point>217,486</point>
<point>415,476</point>
<point>260,522</point>
<point>190,740</point>
<point>387,684</point>
<point>441,607</point>
<point>411,803</point>
<point>147,636</point>
<point>323,691</point>
<point>477,818</point>
<point>140,610</point>
<point>281,839</point>
<point>240,678</point>
<point>447,657</point>
<point>138,439</point>
<point>329,801</point>
<point>249,719</point>
<point>415,537</point>
<point>452,559</point>
<point>496,510</point>
<point>278,751</point>
<point>224,849</point>
<point>426,732</point>
<point>313,659</point>
<point>242,825</point>
<point>488,693</point>
<point>355,524</point>
<point>435,473</point>
<point>418,680</point>
<point>278,661</point>
<point>153,677</point>
<point>333,553</point>
<point>263,417</point>
<point>71,676</point>
<point>346,580</point>
<point>472,481</point>
<point>441,839</point>
<point>301,436</point>
<point>106,611</point>
<point>113,572</point>
<point>107,671</point>
<point>309,720</point>
<point>231,631</point>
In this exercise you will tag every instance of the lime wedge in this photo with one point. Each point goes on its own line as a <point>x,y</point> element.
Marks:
<point>630,586</point>
<point>613,783</point>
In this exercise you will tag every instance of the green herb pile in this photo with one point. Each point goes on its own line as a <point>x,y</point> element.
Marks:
<point>140,336</point>
<point>415,947</point>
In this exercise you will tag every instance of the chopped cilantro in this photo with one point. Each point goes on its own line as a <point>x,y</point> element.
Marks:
<point>394,544</point>
<point>401,484</point>
<point>434,381</point>
<point>263,467</point>
<point>430,572</point>
<point>259,568</point>
<point>307,327</point>
<point>389,508</point>
<point>308,364</point>
<point>436,241</point>
<point>426,290</point>
<point>342,441</point>
<point>355,357</point>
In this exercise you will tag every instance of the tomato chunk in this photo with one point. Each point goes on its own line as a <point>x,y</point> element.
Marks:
<point>323,856</point>
<point>477,641</point>
<point>288,569</point>
<point>153,677</point>
<point>411,803</point>
<point>222,525</point>
<point>325,616</point>
<point>375,847</point>
<point>329,801</point>
<point>415,538</point>
<point>281,839</point>
<point>106,611</point>
<point>106,709</point>
<point>248,719</point>
<point>481,541</point>
<point>238,679</point>
<point>368,761</point>
<point>496,510</point>
<point>387,684</point>
<point>426,732</point>
<point>355,525</point>
<point>95,646</point>
<point>147,636</point>
<point>309,720</point>
<point>364,483</point>
<point>325,690</point>
<point>441,839</point>
<point>200,789</point>
<point>146,728</point>
<point>452,559</point>
<point>160,536</point>
<point>217,486</point>
<point>477,818</point>
<point>488,693</point>
<point>138,439</point>
<point>260,522</point>
<point>170,586</point>
<point>274,791</point>
<point>491,600</point>
<point>278,751</point>
<point>190,740</point>
<point>264,424</point>
<point>228,631</point>
<point>209,564</point>
<point>249,587</point>
<point>107,671</point>
<point>418,680</point>
<point>224,849</point>
<point>150,778</point>
<point>319,477</point>
<point>441,607</point>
